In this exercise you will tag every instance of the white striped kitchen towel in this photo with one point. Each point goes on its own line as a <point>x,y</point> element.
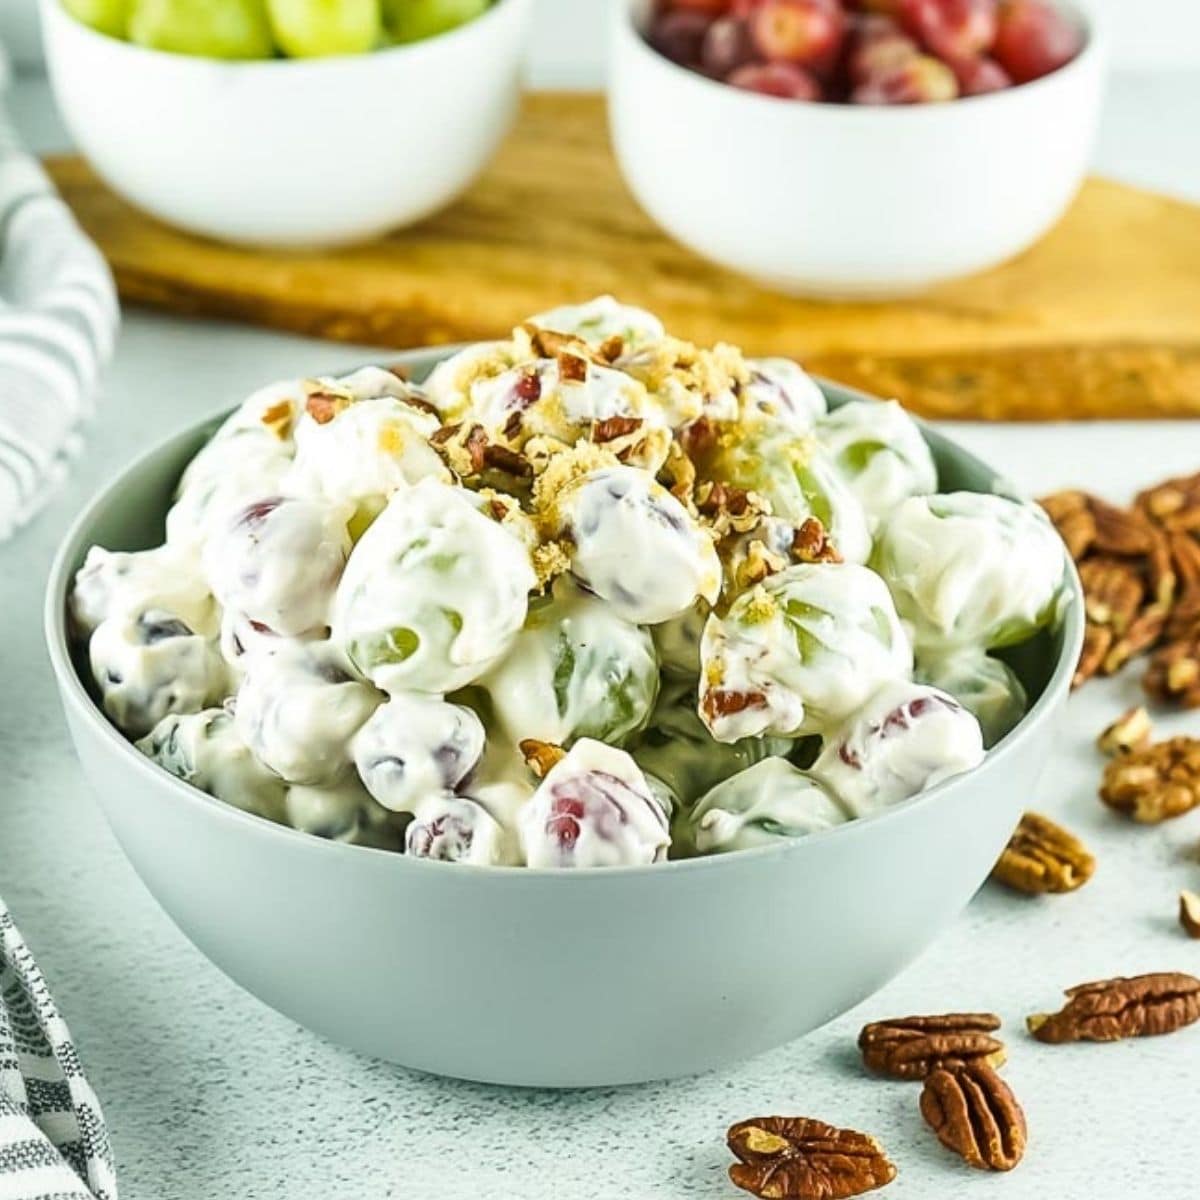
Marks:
<point>53,1140</point>
<point>58,321</point>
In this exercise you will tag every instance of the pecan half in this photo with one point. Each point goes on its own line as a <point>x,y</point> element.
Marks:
<point>1110,1009</point>
<point>914,1047</point>
<point>1072,517</point>
<point>1189,913</point>
<point>540,756</point>
<point>1173,504</point>
<point>1043,857</point>
<point>1156,783</point>
<point>1143,632</point>
<point>1097,642</point>
<point>1112,591</point>
<point>975,1114</point>
<point>1129,732</point>
<point>797,1158</point>
<point>1119,531</point>
<point>1173,676</point>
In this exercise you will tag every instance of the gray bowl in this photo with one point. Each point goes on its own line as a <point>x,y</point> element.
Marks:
<point>540,977</point>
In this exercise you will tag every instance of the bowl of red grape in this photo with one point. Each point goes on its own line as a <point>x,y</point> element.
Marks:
<point>858,148</point>
<point>289,123</point>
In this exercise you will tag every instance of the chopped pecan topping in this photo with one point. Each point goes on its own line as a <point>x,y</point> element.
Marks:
<point>476,446</point>
<point>1189,913</point>
<point>913,1047</point>
<point>501,458</point>
<point>550,343</point>
<point>722,702</point>
<point>797,1158</point>
<point>540,756</point>
<point>572,368</point>
<point>612,428</point>
<point>415,400</point>
<point>439,437</point>
<point>678,474</point>
<point>1042,857</point>
<point>278,418</point>
<point>324,406</point>
<point>1155,783</point>
<point>811,544</point>
<point>698,438</point>
<point>611,348</point>
<point>975,1114</point>
<point>1129,732</point>
<point>1110,1009</point>
<point>713,498</point>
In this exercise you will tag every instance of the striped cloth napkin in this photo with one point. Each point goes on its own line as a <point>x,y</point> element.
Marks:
<point>53,1140</point>
<point>58,321</point>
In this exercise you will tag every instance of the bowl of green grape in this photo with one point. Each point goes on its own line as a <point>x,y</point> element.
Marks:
<point>287,123</point>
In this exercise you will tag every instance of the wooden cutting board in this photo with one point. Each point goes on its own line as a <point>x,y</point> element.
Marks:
<point>1102,319</point>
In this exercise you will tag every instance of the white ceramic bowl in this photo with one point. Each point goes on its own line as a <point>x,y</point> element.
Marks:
<point>290,152</point>
<point>845,200</point>
<point>542,977</point>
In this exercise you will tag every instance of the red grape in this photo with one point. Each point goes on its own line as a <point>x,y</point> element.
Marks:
<point>1034,39</point>
<point>977,76</point>
<point>953,30</point>
<point>679,36</point>
<point>785,80</point>
<point>727,46</point>
<point>710,8</point>
<point>921,80</point>
<point>876,49</point>
<point>806,32</point>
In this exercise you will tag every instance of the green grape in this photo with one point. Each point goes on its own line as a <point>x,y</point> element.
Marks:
<point>313,28</point>
<point>412,20</point>
<point>104,16</point>
<point>207,28</point>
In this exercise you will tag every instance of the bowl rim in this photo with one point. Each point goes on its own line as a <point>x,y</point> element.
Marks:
<point>627,24</point>
<point>449,39</point>
<point>75,695</point>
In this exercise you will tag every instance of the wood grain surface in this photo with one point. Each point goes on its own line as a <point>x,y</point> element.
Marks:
<point>1101,319</point>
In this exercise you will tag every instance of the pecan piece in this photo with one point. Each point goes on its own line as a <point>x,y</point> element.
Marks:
<point>1129,732</point>
<point>572,368</point>
<point>677,474</point>
<point>1174,503</point>
<point>1112,591</point>
<point>1144,631</point>
<point>612,428</point>
<point>723,702</point>
<point>1043,857</point>
<point>811,544</point>
<point>974,1113</point>
<point>1156,783</point>
<point>1072,517</point>
<point>797,1158</point>
<point>1111,1009</point>
<point>324,406</point>
<point>1097,642</point>
<point>915,1047</point>
<point>1118,530</point>
<point>501,458</point>
<point>1173,675</point>
<point>1189,913</point>
<point>540,756</point>
<point>278,418</point>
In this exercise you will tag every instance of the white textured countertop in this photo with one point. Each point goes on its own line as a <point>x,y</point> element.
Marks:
<point>209,1094</point>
